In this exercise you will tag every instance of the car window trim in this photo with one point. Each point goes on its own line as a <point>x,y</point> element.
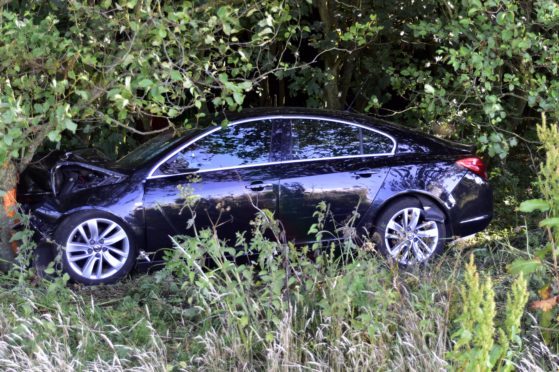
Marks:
<point>360,137</point>
<point>241,166</point>
<point>262,118</point>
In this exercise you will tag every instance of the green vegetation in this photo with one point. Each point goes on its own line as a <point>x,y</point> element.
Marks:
<point>109,73</point>
<point>319,306</point>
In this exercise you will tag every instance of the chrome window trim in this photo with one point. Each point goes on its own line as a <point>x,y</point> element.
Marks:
<point>270,117</point>
<point>269,163</point>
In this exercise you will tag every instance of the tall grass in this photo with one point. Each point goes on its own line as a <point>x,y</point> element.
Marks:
<point>313,308</point>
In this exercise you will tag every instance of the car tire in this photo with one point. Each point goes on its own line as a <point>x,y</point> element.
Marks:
<point>43,255</point>
<point>97,247</point>
<point>405,236</point>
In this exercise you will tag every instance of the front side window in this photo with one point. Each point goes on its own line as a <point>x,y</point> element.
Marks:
<point>234,145</point>
<point>316,139</point>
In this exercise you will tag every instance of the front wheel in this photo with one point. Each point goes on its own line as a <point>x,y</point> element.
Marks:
<point>97,248</point>
<point>406,236</point>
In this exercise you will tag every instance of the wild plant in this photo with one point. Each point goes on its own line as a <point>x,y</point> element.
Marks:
<point>545,259</point>
<point>548,186</point>
<point>260,302</point>
<point>479,345</point>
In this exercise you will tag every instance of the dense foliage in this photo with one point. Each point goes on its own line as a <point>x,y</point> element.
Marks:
<point>103,70</point>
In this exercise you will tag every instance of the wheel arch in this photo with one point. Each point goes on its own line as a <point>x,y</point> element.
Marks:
<point>425,199</point>
<point>137,240</point>
<point>83,210</point>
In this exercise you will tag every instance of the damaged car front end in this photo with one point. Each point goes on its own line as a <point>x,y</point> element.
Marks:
<point>60,185</point>
<point>51,178</point>
<point>88,209</point>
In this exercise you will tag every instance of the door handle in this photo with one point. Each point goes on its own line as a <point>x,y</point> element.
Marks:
<point>258,186</point>
<point>364,173</point>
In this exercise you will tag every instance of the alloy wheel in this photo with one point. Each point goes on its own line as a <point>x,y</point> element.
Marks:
<point>409,238</point>
<point>97,248</point>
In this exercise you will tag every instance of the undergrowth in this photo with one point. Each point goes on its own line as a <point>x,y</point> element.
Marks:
<point>318,307</point>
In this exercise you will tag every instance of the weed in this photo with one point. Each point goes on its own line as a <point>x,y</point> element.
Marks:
<point>267,304</point>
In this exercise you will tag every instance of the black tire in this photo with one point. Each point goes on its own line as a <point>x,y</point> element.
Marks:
<point>71,233</point>
<point>388,240</point>
<point>43,256</point>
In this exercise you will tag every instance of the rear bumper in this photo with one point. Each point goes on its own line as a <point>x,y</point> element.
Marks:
<point>472,209</point>
<point>473,225</point>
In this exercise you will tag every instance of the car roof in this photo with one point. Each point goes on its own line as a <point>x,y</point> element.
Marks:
<point>407,140</point>
<point>400,132</point>
<point>296,111</point>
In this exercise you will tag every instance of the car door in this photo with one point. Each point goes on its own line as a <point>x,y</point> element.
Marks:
<point>343,164</point>
<point>219,182</point>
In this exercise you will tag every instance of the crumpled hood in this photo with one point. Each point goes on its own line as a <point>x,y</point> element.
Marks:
<point>59,173</point>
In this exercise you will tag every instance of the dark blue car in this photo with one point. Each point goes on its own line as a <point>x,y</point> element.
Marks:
<point>412,192</point>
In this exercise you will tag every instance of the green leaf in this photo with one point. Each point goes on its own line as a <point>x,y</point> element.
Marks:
<point>70,125</point>
<point>8,140</point>
<point>531,205</point>
<point>145,83</point>
<point>227,29</point>
<point>223,78</point>
<point>176,75</point>
<point>8,117</point>
<point>429,89</point>
<point>239,98</point>
<point>524,266</point>
<point>54,136</point>
<point>20,235</point>
<point>549,222</point>
<point>495,354</point>
<point>82,93</point>
<point>223,12</point>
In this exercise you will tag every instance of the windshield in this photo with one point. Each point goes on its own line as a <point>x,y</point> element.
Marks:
<point>147,151</point>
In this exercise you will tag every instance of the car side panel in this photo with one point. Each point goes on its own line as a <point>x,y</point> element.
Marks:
<point>224,200</point>
<point>346,185</point>
<point>434,179</point>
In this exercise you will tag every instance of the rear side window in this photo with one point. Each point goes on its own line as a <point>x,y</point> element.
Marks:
<point>316,139</point>
<point>235,145</point>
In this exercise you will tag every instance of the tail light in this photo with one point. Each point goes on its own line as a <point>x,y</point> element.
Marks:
<point>475,165</point>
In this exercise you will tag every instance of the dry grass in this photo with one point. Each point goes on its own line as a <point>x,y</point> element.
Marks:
<point>387,320</point>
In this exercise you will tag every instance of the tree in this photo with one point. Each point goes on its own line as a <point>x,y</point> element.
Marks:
<point>493,68</point>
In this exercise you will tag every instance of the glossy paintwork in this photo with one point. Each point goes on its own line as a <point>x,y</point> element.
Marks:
<point>347,185</point>
<point>123,200</point>
<point>434,180</point>
<point>154,209</point>
<point>227,199</point>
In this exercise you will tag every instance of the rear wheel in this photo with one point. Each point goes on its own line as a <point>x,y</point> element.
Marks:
<point>406,236</point>
<point>98,248</point>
